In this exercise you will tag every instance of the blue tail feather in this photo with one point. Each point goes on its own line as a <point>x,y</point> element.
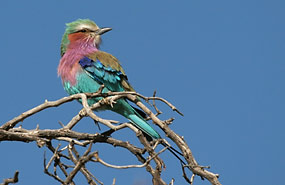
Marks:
<point>139,122</point>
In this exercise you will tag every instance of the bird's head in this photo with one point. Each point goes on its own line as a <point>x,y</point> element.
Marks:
<point>82,30</point>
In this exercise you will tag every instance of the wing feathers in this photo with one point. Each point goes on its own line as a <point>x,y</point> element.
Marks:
<point>106,69</point>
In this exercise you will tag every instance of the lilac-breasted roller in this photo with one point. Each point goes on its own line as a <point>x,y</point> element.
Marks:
<point>83,68</point>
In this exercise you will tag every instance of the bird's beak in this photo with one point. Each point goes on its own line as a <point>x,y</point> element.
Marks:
<point>101,31</point>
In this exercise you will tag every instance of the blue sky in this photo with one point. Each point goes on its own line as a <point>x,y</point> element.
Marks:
<point>220,62</point>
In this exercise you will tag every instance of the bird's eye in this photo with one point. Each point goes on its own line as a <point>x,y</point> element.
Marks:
<point>83,30</point>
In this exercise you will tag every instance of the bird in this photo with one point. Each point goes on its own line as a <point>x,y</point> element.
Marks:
<point>84,68</point>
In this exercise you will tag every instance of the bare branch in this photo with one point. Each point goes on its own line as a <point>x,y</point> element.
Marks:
<point>11,180</point>
<point>181,143</point>
<point>44,137</point>
<point>12,123</point>
<point>114,181</point>
<point>79,163</point>
<point>98,159</point>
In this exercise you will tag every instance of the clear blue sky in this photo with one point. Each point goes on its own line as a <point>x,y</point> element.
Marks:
<point>222,63</point>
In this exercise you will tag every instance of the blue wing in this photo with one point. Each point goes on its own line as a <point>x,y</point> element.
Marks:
<point>106,75</point>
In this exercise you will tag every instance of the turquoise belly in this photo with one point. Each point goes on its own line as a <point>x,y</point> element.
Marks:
<point>84,84</point>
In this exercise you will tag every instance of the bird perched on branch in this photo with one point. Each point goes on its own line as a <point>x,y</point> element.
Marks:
<point>83,68</point>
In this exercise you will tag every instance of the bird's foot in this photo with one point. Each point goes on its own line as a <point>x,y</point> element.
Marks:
<point>109,101</point>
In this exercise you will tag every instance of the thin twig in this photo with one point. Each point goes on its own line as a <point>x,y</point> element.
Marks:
<point>158,112</point>
<point>13,180</point>
<point>98,159</point>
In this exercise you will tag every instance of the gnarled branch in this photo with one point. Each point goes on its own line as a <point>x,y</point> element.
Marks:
<point>75,162</point>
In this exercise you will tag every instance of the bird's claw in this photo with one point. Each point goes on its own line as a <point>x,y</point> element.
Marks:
<point>108,101</point>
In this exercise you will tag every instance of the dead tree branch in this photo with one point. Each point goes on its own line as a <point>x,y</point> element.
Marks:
<point>11,180</point>
<point>66,158</point>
